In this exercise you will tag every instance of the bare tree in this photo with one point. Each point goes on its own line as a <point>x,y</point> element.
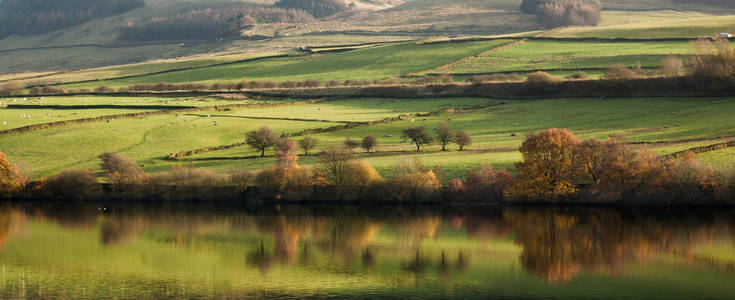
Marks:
<point>445,135</point>
<point>261,139</point>
<point>417,136</point>
<point>308,143</point>
<point>462,139</point>
<point>369,142</point>
<point>333,164</point>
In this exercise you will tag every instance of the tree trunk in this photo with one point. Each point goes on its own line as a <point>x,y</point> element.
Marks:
<point>418,147</point>
<point>262,152</point>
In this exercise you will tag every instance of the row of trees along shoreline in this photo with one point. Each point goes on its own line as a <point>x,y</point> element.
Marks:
<point>557,167</point>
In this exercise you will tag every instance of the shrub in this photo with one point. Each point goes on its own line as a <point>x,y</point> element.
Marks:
<point>122,172</point>
<point>241,180</point>
<point>542,78</point>
<point>12,181</point>
<point>476,79</point>
<point>672,66</point>
<point>486,184</point>
<point>419,186</point>
<point>10,89</point>
<point>261,139</point>
<point>578,75</point>
<point>712,59</point>
<point>619,73</point>
<point>369,142</point>
<point>73,184</point>
<point>312,83</point>
<point>333,163</point>
<point>104,89</point>
<point>181,183</point>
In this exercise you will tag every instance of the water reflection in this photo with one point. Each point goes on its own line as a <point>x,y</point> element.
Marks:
<point>308,251</point>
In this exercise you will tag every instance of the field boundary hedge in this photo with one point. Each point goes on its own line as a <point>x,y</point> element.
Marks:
<point>35,127</point>
<point>701,149</point>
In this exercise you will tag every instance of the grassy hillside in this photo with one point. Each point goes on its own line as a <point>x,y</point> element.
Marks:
<point>688,27</point>
<point>370,63</point>
<point>666,124</point>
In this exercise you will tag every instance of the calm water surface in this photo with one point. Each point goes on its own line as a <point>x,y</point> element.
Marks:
<point>55,251</point>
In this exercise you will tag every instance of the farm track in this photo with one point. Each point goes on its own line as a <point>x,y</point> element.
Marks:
<point>42,126</point>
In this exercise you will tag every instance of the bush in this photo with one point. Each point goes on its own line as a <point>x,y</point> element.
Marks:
<point>712,59</point>
<point>578,75</point>
<point>542,78</point>
<point>12,181</point>
<point>477,79</point>
<point>73,184</point>
<point>181,183</point>
<point>672,66</point>
<point>10,89</point>
<point>349,143</point>
<point>104,89</point>
<point>619,73</point>
<point>122,172</point>
<point>486,184</point>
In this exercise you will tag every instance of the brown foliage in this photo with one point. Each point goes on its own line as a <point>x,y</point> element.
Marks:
<point>548,170</point>
<point>10,89</point>
<point>542,78</point>
<point>485,184</point>
<point>619,73</point>
<point>444,135</point>
<point>712,59</point>
<point>369,142</point>
<point>672,66</point>
<point>12,181</point>
<point>72,184</point>
<point>565,13</point>
<point>462,139</point>
<point>122,172</point>
<point>261,139</point>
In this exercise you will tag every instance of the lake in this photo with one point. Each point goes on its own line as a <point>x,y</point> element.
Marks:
<point>421,252</point>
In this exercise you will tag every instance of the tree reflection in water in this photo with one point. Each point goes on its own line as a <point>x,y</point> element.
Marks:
<point>556,245</point>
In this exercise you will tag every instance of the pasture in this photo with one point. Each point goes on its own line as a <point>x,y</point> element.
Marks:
<point>665,125</point>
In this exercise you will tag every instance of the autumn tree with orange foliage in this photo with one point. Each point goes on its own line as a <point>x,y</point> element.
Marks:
<point>549,168</point>
<point>12,181</point>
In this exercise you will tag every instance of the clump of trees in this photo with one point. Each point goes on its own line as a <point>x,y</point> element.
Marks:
<point>556,13</point>
<point>208,23</point>
<point>31,17</point>
<point>317,8</point>
<point>12,180</point>
<point>11,89</point>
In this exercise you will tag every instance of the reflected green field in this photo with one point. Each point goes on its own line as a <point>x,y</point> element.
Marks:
<point>125,252</point>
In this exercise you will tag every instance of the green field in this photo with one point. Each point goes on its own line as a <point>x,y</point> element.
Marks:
<point>370,63</point>
<point>699,26</point>
<point>666,124</point>
<point>541,55</point>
